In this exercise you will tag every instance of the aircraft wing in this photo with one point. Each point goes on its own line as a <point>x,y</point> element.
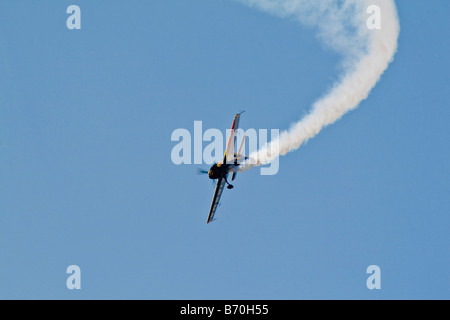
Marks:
<point>231,144</point>
<point>217,193</point>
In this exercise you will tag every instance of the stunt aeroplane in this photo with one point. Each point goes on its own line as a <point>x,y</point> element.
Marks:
<point>229,165</point>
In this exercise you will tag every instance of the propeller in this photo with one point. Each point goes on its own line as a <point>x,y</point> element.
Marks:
<point>213,181</point>
<point>201,171</point>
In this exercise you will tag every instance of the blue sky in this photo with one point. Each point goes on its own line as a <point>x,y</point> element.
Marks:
<point>86,177</point>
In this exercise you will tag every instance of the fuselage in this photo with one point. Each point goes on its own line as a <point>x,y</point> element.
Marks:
<point>219,170</point>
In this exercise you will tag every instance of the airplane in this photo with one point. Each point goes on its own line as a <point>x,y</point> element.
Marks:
<point>230,164</point>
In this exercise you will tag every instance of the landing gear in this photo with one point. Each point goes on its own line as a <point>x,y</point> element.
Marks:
<point>229,186</point>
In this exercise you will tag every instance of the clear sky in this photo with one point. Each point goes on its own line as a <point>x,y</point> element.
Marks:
<point>86,177</point>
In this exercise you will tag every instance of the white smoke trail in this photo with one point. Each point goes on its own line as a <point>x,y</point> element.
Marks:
<point>366,52</point>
